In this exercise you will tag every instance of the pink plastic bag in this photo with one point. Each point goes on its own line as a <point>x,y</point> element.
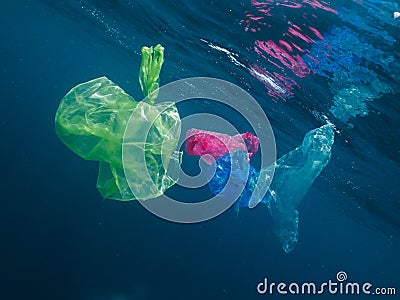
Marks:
<point>201,142</point>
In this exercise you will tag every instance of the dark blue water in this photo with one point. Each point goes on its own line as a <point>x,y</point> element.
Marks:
<point>60,240</point>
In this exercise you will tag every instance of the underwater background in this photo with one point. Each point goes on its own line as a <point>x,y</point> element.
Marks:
<point>306,62</point>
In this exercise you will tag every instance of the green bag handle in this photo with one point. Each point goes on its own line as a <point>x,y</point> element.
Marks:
<point>149,72</point>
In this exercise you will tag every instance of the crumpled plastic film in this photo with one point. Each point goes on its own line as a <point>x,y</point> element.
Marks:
<point>295,172</point>
<point>233,164</point>
<point>201,142</point>
<point>91,120</point>
<point>149,145</point>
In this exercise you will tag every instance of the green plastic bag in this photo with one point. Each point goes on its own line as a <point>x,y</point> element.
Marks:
<point>92,118</point>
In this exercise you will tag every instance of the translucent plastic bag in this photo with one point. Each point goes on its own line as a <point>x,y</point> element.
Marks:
<point>91,120</point>
<point>244,177</point>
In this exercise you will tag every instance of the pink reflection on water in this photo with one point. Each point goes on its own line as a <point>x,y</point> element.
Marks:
<point>322,5</point>
<point>294,25</point>
<point>293,62</point>
<point>295,4</point>
<point>253,23</point>
<point>316,32</point>
<point>286,45</point>
<point>294,32</point>
<point>284,52</point>
<point>291,4</point>
<point>297,47</point>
